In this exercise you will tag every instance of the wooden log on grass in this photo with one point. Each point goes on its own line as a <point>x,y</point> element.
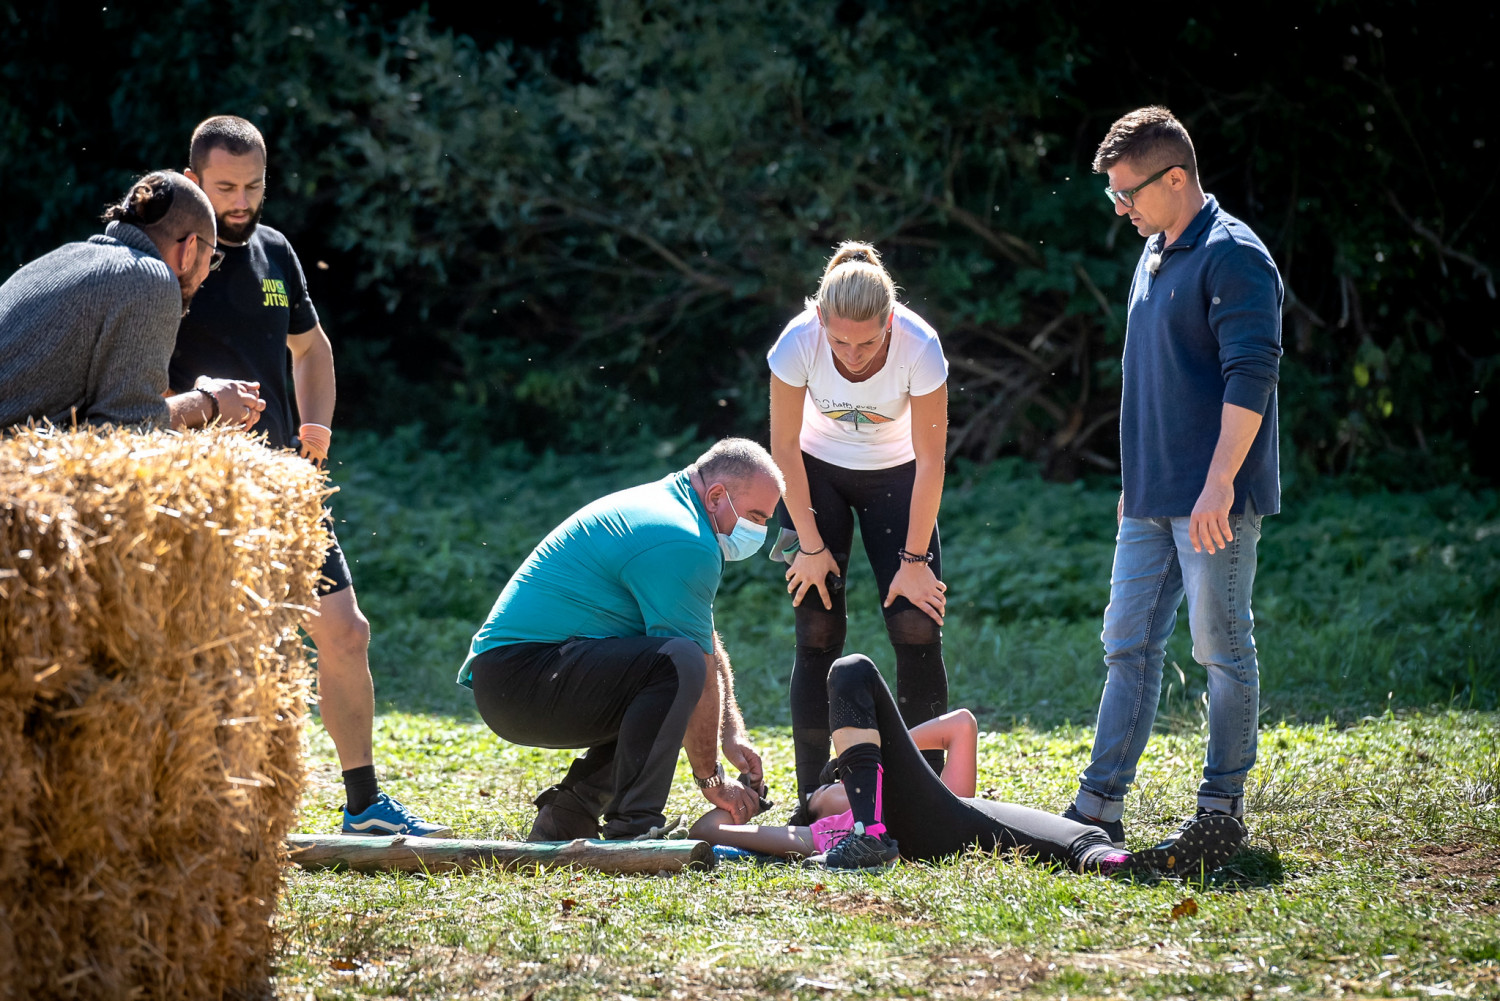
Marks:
<point>406,853</point>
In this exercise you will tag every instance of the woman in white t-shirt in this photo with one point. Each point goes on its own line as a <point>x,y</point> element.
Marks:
<point>859,426</point>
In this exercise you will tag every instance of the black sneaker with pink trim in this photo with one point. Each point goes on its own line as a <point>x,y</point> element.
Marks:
<point>858,850</point>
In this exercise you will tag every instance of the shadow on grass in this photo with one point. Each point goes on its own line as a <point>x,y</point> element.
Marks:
<point>1253,868</point>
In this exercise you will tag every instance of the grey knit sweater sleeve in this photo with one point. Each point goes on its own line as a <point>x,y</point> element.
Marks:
<point>87,331</point>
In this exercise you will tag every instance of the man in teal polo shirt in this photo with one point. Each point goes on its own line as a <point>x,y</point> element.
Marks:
<point>604,638</point>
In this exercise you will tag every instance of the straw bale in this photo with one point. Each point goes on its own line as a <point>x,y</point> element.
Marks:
<point>152,690</point>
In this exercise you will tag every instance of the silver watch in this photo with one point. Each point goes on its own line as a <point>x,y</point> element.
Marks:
<point>716,779</point>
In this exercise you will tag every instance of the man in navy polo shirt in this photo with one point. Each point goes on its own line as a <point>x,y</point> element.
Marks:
<point>1198,461</point>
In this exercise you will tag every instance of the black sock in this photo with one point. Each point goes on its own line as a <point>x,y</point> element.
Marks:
<point>859,768</point>
<point>360,788</point>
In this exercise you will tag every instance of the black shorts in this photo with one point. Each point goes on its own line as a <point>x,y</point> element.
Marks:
<point>335,574</point>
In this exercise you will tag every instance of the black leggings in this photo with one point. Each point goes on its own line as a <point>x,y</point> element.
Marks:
<point>921,813</point>
<point>882,499</point>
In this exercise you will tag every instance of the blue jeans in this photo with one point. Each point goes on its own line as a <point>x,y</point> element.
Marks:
<point>1155,568</point>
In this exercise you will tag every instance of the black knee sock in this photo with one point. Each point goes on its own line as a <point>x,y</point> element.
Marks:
<point>860,771</point>
<point>820,639</point>
<point>360,788</point>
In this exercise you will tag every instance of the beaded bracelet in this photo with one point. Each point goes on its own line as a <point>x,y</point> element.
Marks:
<point>907,557</point>
<point>213,401</point>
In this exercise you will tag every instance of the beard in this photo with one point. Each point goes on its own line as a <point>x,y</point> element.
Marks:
<point>242,232</point>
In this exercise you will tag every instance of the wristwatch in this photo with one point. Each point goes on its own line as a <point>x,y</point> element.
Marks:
<point>714,780</point>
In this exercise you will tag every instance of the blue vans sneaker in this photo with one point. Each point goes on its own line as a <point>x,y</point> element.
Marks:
<point>387,816</point>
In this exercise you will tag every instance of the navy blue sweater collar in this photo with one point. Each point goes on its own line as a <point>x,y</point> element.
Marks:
<point>1194,231</point>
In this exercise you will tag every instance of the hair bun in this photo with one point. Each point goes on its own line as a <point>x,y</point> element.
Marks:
<point>150,200</point>
<point>857,294</point>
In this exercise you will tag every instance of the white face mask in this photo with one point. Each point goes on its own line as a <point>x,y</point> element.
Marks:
<point>746,539</point>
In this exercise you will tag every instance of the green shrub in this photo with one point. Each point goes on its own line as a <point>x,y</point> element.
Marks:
<point>1362,601</point>
<point>585,224</point>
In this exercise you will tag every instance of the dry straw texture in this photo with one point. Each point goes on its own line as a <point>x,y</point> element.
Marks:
<point>152,689</point>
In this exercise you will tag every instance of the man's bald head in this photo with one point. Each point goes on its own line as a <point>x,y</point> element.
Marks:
<point>739,461</point>
<point>167,207</point>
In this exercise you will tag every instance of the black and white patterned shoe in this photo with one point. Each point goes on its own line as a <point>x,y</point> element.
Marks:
<point>1198,847</point>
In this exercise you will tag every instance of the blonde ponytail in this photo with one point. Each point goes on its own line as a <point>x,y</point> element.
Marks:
<point>855,285</point>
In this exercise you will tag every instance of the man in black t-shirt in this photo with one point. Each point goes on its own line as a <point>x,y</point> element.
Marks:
<point>244,321</point>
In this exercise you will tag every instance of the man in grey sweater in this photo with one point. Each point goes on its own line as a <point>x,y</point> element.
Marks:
<point>86,331</point>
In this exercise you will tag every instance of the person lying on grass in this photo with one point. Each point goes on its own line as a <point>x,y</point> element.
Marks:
<point>888,803</point>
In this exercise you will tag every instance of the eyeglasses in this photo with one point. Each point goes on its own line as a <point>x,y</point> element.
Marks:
<point>1127,197</point>
<point>216,258</point>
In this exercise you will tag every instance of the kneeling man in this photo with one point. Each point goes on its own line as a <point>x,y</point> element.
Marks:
<point>604,639</point>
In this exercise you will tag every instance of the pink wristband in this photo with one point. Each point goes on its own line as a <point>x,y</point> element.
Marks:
<point>316,438</point>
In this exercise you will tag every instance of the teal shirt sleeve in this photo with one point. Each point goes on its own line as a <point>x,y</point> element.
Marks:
<point>674,584</point>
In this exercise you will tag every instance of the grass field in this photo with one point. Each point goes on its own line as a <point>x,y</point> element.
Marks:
<point>1375,807</point>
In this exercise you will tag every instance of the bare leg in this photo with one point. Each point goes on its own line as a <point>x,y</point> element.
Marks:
<point>345,689</point>
<point>846,737</point>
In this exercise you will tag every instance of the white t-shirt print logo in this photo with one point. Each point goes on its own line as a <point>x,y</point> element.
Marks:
<point>857,414</point>
<point>859,425</point>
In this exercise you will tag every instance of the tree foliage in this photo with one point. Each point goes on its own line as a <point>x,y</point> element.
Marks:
<point>586,225</point>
